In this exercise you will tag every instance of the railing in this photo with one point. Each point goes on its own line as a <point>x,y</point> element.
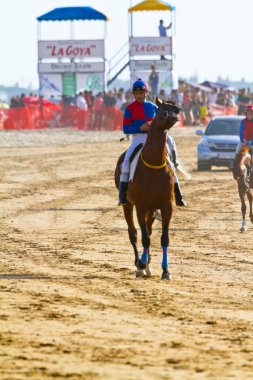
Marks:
<point>118,63</point>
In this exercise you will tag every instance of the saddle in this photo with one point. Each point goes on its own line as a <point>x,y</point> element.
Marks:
<point>134,161</point>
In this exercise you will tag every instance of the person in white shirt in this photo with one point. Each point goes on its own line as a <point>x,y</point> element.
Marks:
<point>120,100</point>
<point>82,111</point>
<point>212,96</point>
<point>81,102</point>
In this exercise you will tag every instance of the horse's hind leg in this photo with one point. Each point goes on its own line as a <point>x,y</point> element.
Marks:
<point>132,232</point>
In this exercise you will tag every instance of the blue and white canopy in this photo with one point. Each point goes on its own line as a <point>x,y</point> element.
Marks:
<point>73,14</point>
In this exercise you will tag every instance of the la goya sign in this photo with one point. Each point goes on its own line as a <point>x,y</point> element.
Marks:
<point>71,49</point>
<point>150,46</point>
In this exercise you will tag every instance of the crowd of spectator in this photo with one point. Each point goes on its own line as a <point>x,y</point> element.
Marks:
<point>101,111</point>
<point>84,111</point>
<point>199,103</point>
<point>104,110</point>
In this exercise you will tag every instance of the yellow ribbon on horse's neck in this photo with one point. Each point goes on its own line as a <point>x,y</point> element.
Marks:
<point>153,166</point>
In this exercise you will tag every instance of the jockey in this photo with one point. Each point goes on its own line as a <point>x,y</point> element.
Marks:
<point>246,134</point>
<point>136,121</point>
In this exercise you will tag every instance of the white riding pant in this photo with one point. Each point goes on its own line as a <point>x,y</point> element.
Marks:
<point>137,139</point>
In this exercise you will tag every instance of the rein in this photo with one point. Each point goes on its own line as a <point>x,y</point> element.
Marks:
<point>153,166</point>
<point>166,115</point>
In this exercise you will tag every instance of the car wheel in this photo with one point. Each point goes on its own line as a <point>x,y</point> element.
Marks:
<point>203,166</point>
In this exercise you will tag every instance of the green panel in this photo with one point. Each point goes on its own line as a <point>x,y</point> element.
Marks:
<point>69,84</point>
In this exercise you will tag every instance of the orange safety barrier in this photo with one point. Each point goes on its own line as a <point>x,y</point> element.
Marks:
<point>44,113</point>
<point>118,119</point>
<point>207,119</point>
<point>98,119</point>
<point>19,118</point>
<point>68,115</point>
<point>32,116</point>
<point>216,110</point>
<point>112,119</point>
<point>81,119</point>
<point>109,118</point>
<point>231,111</point>
<point>180,122</point>
<point>3,117</point>
<point>38,114</point>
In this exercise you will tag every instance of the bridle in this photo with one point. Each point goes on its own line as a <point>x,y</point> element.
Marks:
<point>166,115</point>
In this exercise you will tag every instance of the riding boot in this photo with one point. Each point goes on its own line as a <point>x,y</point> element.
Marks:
<point>235,166</point>
<point>123,193</point>
<point>178,196</point>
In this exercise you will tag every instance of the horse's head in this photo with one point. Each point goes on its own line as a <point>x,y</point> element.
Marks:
<point>167,114</point>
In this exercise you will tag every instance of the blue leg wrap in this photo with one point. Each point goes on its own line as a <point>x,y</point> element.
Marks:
<point>165,258</point>
<point>144,256</point>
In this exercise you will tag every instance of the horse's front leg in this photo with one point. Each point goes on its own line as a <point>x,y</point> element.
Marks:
<point>132,232</point>
<point>145,238</point>
<point>150,220</point>
<point>249,196</point>
<point>243,209</point>
<point>166,213</point>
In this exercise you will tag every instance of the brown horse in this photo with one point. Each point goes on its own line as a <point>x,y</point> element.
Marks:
<point>244,180</point>
<point>152,188</point>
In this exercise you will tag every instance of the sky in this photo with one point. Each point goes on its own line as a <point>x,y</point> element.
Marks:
<point>213,37</point>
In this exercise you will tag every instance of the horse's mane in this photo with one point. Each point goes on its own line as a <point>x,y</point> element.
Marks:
<point>244,157</point>
<point>159,102</point>
<point>245,150</point>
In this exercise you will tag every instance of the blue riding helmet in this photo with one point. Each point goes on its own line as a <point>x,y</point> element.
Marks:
<point>140,85</point>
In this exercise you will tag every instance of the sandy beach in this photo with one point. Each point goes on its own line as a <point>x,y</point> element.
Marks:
<point>70,305</point>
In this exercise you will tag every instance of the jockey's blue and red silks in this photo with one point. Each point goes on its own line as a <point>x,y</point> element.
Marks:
<point>136,114</point>
<point>246,129</point>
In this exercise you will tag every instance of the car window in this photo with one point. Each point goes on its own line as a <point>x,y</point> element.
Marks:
<point>223,127</point>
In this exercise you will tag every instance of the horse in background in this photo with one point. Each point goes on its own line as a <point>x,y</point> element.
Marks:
<point>152,189</point>
<point>244,177</point>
